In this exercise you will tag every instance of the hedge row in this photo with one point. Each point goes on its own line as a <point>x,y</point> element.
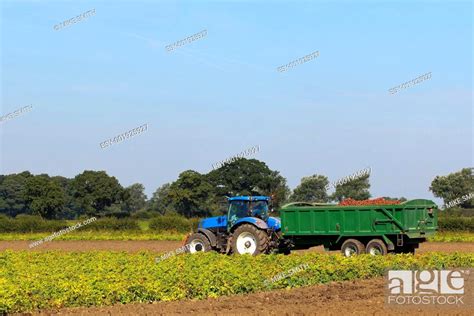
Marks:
<point>112,224</point>
<point>35,224</point>
<point>456,211</point>
<point>175,223</point>
<point>456,224</point>
<point>30,224</point>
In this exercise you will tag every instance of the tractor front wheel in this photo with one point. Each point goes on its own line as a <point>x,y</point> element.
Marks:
<point>197,243</point>
<point>248,239</point>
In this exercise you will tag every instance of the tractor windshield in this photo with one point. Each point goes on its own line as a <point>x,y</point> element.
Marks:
<point>240,209</point>
<point>259,209</point>
<point>237,210</point>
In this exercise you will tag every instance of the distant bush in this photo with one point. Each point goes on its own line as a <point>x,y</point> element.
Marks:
<point>194,223</point>
<point>456,224</point>
<point>167,223</point>
<point>144,214</point>
<point>110,223</point>
<point>30,224</point>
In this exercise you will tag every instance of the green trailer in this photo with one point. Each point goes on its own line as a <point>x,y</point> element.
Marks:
<point>374,229</point>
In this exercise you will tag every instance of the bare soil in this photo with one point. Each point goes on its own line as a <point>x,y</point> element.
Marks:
<point>163,246</point>
<point>362,297</point>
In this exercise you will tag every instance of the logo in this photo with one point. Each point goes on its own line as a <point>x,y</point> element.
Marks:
<point>438,287</point>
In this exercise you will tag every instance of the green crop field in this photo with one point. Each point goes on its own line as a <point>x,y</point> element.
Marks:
<point>33,280</point>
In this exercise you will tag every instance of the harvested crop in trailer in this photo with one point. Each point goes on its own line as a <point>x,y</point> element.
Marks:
<point>377,201</point>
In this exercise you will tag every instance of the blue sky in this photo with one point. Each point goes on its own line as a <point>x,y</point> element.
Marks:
<point>220,95</point>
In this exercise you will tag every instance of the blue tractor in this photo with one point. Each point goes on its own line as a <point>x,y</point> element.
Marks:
<point>246,229</point>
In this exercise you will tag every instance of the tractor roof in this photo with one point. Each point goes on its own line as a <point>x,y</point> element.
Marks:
<point>249,198</point>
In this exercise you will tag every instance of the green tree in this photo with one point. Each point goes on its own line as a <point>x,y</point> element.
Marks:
<point>249,177</point>
<point>160,201</point>
<point>277,189</point>
<point>192,195</point>
<point>401,199</point>
<point>357,189</point>
<point>134,198</point>
<point>94,191</point>
<point>44,196</point>
<point>67,212</point>
<point>311,189</point>
<point>454,186</point>
<point>12,199</point>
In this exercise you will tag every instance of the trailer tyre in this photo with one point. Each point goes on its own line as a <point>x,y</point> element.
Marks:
<point>248,239</point>
<point>197,243</point>
<point>352,247</point>
<point>376,247</point>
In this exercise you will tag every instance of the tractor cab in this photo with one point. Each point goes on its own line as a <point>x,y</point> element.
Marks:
<point>247,206</point>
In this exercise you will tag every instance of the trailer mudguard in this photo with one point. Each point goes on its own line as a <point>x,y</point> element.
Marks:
<point>210,235</point>
<point>390,245</point>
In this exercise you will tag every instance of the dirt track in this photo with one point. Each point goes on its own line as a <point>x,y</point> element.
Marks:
<point>162,246</point>
<point>365,297</point>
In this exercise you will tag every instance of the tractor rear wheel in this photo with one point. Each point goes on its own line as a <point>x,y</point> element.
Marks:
<point>248,239</point>
<point>197,243</point>
<point>352,247</point>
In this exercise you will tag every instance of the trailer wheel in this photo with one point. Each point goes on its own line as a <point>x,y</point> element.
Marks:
<point>376,247</point>
<point>248,239</point>
<point>352,247</point>
<point>197,243</point>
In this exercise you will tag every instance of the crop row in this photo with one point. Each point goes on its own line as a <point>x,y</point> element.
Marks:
<point>47,280</point>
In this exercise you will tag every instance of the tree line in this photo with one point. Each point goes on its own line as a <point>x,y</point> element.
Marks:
<point>192,194</point>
